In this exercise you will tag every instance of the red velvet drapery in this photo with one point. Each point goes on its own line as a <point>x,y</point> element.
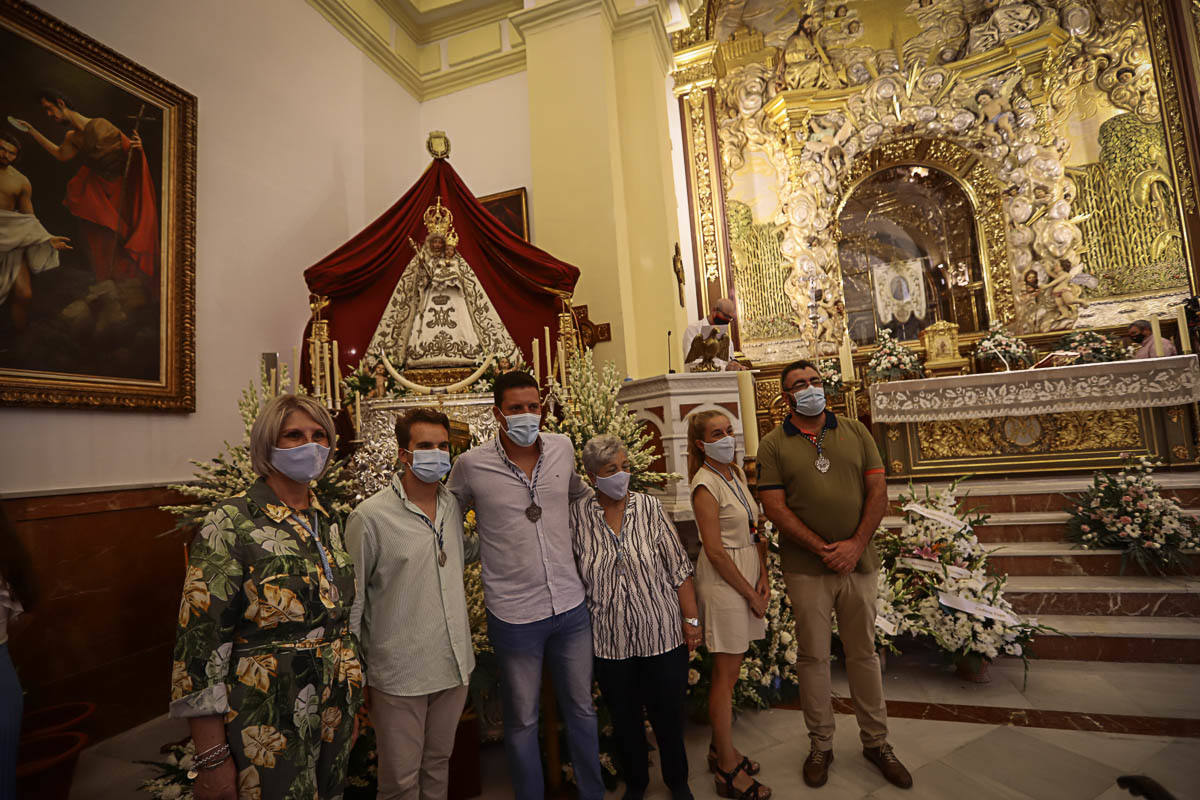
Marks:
<point>525,284</point>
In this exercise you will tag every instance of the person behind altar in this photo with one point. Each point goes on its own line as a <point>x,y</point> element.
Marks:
<point>723,313</point>
<point>521,484</point>
<point>821,482</point>
<point>410,614</point>
<point>1141,334</point>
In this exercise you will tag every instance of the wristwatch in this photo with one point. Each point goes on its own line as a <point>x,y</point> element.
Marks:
<point>695,623</point>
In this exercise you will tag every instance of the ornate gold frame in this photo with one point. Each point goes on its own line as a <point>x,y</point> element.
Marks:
<point>983,189</point>
<point>175,390</point>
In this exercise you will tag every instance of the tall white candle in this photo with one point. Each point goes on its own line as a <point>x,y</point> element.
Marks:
<point>295,369</point>
<point>549,354</point>
<point>337,378</point>
<point>537,372</point>
<point>1156,332</point>
<point>358,413</point>
<point>1185,335</point>
<point>562,366</point>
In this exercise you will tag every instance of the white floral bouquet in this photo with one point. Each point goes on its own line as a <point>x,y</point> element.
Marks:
<point>1001,347</point>
<point>1126,511</point>
<point>171,782</point>
<point>831,378</point>
<point>1091,347</point>
<point>893,361</point>
<point>938,586</point>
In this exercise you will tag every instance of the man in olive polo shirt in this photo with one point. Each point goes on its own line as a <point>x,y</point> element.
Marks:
<point>821,482</point>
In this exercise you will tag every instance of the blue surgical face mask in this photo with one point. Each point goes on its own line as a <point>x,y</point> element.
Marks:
<point>303,464</point>
<point>722,450</point>
<point>523,428</point>
<point>809,401</point>
<point>615,486</point>
<point>430,466</point>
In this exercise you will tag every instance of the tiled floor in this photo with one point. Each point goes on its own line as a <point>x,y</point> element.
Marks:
<point>951,760</point>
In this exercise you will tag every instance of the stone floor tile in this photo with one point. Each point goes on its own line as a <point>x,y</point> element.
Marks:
<point>939,781</point>
<point>1123,752</point>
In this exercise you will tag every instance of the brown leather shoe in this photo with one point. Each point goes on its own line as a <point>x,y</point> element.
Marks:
<point>816,767</point>
<point>889,765</point>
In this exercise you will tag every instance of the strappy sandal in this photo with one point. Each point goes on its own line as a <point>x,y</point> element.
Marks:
<point>725,788</point>
<point>751,768</point>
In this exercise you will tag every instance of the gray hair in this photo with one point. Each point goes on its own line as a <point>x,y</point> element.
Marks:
<point>264,433</point>
<point>601,450</point>
<point>1140,324</point>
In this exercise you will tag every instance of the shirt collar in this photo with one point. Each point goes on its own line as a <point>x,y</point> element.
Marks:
<point>791,430</point>
<point>264,497</point>
<point>398,485</point>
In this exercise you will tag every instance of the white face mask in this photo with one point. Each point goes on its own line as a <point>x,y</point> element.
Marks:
<point>722,450</point>
<point>615,486</point>
<point>303,464</point>
<point>523,428</point>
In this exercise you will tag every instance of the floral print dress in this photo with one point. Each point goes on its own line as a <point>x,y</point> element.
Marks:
<point>264,641</point>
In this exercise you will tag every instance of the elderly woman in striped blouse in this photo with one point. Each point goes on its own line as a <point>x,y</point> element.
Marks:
<point>638,582</point>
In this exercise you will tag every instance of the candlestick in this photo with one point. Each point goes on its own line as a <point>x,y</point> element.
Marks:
<point>562,366</point>
<point>1185,333</point>
<point>1156,332</point>
<point>337,379</point>
<point>314,366</point>
<point>295,369</point>
<point>846,358</point>
<point>358,414</point>
<point>748,411</point>
<point>328,354</point>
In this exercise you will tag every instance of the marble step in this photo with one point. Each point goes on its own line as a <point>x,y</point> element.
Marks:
<point>1174,640</point>
<point>1015,495</point>
<point>1063,558</point>
<point>1103,595</point>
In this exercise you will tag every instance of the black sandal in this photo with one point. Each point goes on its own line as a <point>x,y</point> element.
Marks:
<point>751,768</point>
<point>725,788</point>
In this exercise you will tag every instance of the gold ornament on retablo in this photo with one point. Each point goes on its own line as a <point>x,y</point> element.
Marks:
<point>941,349</point>
<point>438,144</point>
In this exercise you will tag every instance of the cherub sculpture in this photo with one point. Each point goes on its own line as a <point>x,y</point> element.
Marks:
<point>995,117</point>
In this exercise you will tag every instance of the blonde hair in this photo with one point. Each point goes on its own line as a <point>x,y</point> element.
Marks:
<point>264,433</point>
<point>695,435</point>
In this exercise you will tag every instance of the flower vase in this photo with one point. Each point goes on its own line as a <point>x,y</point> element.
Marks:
<point>972,668</point>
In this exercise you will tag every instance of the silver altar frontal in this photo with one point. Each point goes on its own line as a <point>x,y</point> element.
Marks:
<point>374,461</point>
<point>1073,418</point>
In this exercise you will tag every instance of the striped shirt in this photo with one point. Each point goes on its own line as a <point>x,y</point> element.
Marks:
<point>528,571</point>
<point>630,577</point>
<point>410,615</point>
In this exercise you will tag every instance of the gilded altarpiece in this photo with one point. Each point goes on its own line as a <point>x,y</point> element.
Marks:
<point>1060,121</point>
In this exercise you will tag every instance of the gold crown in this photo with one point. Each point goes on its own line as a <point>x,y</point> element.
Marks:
<point>440,222</point>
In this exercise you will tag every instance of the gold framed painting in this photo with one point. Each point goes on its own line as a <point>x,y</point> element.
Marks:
<point>97,224</point>
<point>511,208</point>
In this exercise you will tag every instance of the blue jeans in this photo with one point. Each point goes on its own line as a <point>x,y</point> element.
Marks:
<point>565,642</point>
<point>11,700</point>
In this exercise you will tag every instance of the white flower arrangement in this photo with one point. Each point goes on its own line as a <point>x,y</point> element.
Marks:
<point>1091,347</point>
<point>831,378</point>
<point>1001,347</point>
<point>1126,511</point>
<point>893,361</point>
<point>936,560</point>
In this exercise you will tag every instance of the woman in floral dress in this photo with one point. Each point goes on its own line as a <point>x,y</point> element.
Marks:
<point>264,661</point>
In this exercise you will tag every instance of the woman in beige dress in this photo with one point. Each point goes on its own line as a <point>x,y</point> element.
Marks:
<point>731,581</point>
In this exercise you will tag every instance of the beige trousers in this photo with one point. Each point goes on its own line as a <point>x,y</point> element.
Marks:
<point>814,599</point>
<point>414,737</point>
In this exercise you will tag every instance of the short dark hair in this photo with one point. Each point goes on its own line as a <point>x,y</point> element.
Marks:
<point>1141,324</point>
<point>11,139</point>
<point>511,380</point>
<point>405,421</point>
<point>792,367</point>
<point>54,97</point>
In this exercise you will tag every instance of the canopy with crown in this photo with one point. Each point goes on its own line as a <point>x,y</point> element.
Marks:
<point>487,290</point>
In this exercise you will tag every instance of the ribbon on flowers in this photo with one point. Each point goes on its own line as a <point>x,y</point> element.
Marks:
<point>940,516</point>
<point>924,565</point>
<point>976,608</point>
<point>886,625</point>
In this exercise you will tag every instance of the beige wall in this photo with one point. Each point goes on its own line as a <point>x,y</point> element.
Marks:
<point>302,141</point>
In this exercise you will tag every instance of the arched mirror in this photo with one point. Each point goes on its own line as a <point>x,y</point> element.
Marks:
<point>909,255</point>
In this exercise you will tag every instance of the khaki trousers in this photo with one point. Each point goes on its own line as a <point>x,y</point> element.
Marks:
<point>415,736</point>
<point>814,599</point>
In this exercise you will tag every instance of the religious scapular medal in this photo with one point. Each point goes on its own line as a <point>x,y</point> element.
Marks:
<point>533,513</point>
<point>822,463</point>
<point>441,557</point>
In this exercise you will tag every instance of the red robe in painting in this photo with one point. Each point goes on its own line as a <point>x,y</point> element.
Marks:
<point>116,208</point>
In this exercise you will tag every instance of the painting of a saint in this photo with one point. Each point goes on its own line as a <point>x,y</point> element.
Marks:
<point>91,258</point>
